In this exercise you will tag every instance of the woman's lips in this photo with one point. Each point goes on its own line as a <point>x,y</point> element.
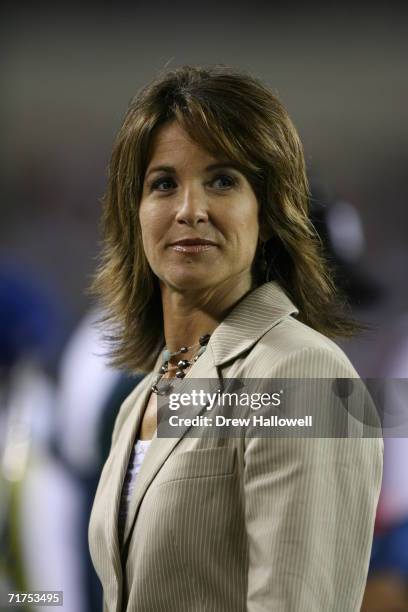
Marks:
<point>192,248</point>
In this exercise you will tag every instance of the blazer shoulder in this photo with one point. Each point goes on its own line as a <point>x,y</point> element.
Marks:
<point>293,349</point>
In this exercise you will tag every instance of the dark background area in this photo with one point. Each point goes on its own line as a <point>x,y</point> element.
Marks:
<point>69,74</point>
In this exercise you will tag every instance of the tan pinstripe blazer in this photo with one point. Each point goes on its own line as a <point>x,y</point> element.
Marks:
<point>233,524</point>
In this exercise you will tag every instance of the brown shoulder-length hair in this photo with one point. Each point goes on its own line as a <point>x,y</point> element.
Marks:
<point>233,114</point>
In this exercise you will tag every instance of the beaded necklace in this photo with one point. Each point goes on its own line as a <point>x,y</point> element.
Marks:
<point>181,366</point>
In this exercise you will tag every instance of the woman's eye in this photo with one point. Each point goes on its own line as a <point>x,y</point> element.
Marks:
<point>224,181</point>
<point>163,184</point>
<point>221,181</point>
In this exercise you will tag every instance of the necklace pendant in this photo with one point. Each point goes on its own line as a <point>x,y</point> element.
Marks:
<point>180,374</point>
<point>183,363</point>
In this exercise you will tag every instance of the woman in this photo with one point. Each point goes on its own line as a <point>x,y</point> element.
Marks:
<point>212,270</point>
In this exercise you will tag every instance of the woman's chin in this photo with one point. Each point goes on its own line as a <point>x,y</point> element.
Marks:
<point>189,280</point>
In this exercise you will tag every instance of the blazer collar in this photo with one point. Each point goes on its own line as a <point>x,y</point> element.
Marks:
<point>249,320</point>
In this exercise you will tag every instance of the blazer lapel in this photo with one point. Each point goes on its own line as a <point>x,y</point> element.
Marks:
<point>160,448</point>
<point>120,458</point>
<point>250,319</point>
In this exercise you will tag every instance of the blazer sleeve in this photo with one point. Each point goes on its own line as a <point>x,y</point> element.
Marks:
<point>310,506</point>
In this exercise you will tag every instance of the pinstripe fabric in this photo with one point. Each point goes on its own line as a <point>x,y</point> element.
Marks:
<point>282,524</point>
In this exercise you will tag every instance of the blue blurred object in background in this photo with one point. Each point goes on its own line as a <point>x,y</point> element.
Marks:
<point>33,323</point>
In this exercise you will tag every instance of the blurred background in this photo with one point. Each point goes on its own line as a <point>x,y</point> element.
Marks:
<point>68,76</point>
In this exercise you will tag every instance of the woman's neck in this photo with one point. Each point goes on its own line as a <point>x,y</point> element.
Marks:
<point>188,316</point>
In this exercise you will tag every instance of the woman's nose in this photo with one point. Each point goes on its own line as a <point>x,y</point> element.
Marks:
<point>193,207</point>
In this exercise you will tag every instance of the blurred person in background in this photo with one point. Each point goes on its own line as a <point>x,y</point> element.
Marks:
<point>211,269</point>
<point>31,333</point>
<point>54,438</point>
<point>88,399</point>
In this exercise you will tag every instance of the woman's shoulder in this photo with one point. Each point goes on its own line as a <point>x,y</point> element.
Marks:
<point>293,349</point>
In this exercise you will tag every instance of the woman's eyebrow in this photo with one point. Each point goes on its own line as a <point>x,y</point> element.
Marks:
<point>168,169</point>
<point>172,170</point>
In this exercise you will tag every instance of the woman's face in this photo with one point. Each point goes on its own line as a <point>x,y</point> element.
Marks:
<point>198,215</point>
